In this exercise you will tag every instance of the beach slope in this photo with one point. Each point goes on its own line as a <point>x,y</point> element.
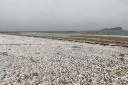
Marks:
<point>38,61</point>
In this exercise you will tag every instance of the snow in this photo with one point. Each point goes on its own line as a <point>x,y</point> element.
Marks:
<point>37,61</point>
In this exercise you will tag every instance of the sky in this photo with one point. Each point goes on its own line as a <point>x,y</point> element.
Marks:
<point>62,15</point>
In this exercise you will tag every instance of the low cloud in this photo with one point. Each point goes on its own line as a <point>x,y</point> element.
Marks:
<point>62,14</point>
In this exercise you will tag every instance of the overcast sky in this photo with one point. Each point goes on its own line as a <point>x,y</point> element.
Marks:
<point>62,14</point>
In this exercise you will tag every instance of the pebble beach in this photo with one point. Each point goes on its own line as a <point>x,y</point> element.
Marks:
<point>38,61</point>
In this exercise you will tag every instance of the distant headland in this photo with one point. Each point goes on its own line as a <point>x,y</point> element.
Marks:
<point>113,29</point>
<point>108,31</point>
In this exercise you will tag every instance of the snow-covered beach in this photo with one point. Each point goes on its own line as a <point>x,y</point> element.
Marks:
<point>38,61</point>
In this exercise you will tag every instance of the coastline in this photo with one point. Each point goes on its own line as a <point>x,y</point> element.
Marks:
<point>30,60</point>
<point>112,40</point>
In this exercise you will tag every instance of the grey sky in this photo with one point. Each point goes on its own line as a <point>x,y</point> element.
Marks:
<point>63,14</point>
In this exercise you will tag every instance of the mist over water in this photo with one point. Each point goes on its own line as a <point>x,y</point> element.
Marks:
<point>62,15</point>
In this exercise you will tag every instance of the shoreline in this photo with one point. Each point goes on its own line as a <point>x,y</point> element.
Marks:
<point>29,60</point>
<point>110,40</point>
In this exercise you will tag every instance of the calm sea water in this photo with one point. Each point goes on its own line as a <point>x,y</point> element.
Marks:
<point>68,33</point>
